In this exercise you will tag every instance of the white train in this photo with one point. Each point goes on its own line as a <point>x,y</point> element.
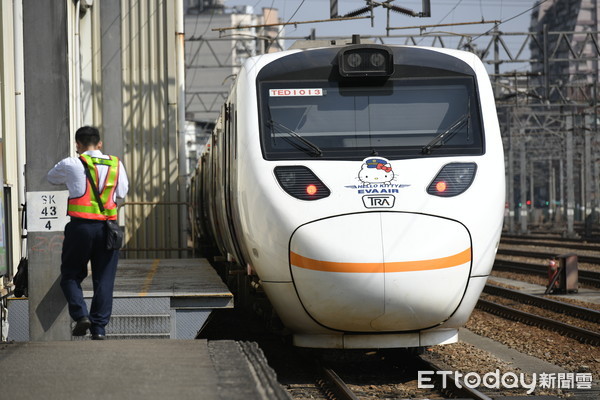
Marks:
<point>362,187</point>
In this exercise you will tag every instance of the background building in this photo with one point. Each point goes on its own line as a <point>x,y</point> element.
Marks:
<point>557,126</point>
<point>574,55</point>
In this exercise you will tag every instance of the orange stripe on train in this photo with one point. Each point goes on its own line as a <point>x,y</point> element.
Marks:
<point>398,266</point>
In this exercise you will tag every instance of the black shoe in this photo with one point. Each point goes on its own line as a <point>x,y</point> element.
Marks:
<point>81,327</point>
<point>98,336</point>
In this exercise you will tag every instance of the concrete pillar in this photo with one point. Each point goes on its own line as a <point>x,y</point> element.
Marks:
<point>112,79</point>
<point>47,129</point>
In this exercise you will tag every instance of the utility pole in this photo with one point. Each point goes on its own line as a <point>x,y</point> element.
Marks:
<point>570,183</point>
<point>587,175</point>
<point>523,181</point>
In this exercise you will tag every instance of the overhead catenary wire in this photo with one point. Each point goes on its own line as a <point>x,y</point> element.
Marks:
<point>537,4</point>
<point>212,14</point>
<point>287,23</point>
<point>351,16</point>
<point>425,29</point>
<point>496,22</point>
<point>442,25</point>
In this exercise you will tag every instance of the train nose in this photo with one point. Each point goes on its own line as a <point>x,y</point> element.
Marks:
<point>380,272</point>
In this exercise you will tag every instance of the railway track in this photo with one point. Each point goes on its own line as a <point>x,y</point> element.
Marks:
<point>575,332</point>
<point>545,255</point>
<point>591,278</point>
<point>456,386</point>
<point>555,237</point>
<point>335,388</point>
<point>586,314</point>
<point>550,242</point>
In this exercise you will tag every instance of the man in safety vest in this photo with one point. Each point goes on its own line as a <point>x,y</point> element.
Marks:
<point>86,233</point>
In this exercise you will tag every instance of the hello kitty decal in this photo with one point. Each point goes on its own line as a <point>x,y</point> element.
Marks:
<point>376,170</point>
<point>376,183</point>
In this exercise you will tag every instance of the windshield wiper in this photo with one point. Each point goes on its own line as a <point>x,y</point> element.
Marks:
<point>446,135</point>
<point>300,143</point>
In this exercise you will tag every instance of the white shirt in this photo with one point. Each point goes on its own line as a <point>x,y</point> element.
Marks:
<point>69,171</point>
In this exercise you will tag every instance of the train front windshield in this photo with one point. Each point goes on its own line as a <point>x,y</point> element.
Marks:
<point>406,118</point>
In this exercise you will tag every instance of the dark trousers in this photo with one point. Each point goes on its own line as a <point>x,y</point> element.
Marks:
<point>85,241</point>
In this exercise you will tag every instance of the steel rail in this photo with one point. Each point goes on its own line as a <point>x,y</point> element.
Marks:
<point>580,334</point>
<point>544,254</point>
<point>337,387</point>
<point>457,387</point>
<point>557,306</point>
<point>588,277</point>
<point>547,237</point>
<point>550,242</point>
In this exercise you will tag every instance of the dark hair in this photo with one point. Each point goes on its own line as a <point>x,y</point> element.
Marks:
<point>87,136</point>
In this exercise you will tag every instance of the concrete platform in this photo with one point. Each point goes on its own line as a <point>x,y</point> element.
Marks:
<point>160,298</point>
<point>524,362</point>
<point>137,369</point>
<point>180,278</point>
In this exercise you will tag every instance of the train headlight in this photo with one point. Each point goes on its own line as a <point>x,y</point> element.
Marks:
<point>365,60</point>
<point>311,189</point>
<point>300,182</point>
<point>453,179</point>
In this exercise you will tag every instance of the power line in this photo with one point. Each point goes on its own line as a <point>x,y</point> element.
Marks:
<point>510,19</point>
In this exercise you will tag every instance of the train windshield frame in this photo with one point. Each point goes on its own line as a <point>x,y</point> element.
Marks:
<point>397,119</point>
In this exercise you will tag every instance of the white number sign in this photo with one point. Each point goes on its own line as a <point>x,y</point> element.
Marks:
<point>47,211</point>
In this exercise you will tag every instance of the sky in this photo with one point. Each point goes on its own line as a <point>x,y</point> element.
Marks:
<point>514,14</point>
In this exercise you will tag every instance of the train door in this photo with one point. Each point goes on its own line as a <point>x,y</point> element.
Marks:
<point>214,183</point>
<point>4,264</point>
<point>230,174</point>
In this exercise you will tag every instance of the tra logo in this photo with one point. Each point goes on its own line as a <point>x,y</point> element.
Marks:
<point>379,201</point>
